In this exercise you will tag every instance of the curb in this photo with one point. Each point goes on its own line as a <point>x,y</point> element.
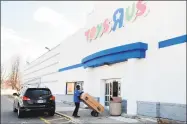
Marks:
<point>71,104</point>
<point>66,117</point>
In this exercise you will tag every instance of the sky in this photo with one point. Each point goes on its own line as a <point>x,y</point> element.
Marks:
<point>27,27</point>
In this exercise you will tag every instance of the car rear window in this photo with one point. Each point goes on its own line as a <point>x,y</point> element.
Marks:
<point>35,93</point>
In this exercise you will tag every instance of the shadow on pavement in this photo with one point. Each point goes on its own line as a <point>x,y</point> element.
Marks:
<point>33,114</point>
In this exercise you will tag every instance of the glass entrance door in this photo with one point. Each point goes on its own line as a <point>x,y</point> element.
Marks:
<point>112,89</point>
<point>108,93</point>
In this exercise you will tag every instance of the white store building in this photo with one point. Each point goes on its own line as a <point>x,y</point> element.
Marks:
<point>135,50</point>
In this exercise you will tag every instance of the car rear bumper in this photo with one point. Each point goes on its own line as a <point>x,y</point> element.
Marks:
<point>52,108</point>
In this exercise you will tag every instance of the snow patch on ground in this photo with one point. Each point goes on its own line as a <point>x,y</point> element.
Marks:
<point>128,120</point>
<point>7,91</point>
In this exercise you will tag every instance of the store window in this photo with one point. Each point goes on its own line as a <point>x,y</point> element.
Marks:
<point>70,87</point>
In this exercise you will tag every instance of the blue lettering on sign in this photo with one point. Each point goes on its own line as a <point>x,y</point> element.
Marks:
<point>118,18</point>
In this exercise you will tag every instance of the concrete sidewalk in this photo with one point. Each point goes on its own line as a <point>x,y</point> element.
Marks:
<point>65,105</point>
<point>86,117</point>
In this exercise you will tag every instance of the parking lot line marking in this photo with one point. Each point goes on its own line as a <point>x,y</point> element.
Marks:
<point>56,119</point>
<point>66,116</point>
<point>46,121</point>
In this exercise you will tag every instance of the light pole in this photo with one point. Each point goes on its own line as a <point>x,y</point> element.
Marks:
<point>47,48</point>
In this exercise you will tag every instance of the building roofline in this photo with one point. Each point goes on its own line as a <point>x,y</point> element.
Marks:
<point>45,53</point>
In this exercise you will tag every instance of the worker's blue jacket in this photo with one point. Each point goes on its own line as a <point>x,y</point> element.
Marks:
<point>77,94</point>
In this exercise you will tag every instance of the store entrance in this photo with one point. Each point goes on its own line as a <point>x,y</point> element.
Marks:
<point>112,89</point>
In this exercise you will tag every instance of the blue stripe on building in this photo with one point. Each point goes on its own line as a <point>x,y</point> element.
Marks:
<point>121,53</point>
<point>70,67</point>
<point>112,55</point>
<point>115,55</point>
<point>172,41</point>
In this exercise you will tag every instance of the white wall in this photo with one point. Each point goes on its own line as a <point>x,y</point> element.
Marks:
<point>45,67</point>
<point>157,77</point>
<point>72,51</point>
<point>161,76</point>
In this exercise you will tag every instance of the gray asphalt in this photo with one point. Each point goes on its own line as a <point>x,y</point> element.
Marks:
<point>10,117</point>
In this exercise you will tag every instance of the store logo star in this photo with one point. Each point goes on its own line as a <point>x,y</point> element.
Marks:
<point>118,15</point>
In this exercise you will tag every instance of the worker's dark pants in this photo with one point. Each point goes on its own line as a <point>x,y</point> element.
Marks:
<point>77,105</point>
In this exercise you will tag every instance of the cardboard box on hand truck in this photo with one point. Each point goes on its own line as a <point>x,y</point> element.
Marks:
<point>92,104</point>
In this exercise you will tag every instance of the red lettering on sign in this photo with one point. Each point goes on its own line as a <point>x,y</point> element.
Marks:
<point>93,33</point>
<point>141,8</point>
<point>106,25</point>
<point>87,34</point>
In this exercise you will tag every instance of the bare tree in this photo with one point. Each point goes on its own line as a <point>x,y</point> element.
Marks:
<point>14,77</point>
<point>4,76</point>
<point>2,71</point>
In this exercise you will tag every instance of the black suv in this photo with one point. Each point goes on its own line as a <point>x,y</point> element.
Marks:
<point>34,99</point>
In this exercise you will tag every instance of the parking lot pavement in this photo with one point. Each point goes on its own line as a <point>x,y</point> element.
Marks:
<point>63,115</point>
<point>9,117</point>
<point>57,119</point>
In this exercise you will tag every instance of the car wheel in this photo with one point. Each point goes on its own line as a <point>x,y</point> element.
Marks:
<point>20,113</point>
<point>51,113</point>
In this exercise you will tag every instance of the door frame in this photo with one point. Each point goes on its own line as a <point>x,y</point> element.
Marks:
<point>109,81</point>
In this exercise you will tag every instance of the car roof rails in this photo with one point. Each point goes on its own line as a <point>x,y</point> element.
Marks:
<point>35,85</point>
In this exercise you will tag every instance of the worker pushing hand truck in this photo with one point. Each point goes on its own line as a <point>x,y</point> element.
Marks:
<point>88,100</point>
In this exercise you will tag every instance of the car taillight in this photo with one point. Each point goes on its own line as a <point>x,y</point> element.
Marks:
<point>25,98</point>
<point>52,98</point>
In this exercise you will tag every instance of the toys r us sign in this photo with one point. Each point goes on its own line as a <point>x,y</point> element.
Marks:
<point>119,16</point>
